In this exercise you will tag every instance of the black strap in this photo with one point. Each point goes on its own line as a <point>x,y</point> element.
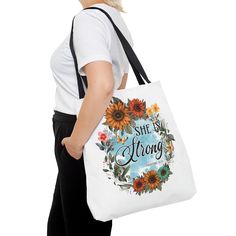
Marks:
<point>132,58</point>
<point>79,80</point>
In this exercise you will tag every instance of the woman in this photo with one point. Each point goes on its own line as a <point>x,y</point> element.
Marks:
<point>103,62</point>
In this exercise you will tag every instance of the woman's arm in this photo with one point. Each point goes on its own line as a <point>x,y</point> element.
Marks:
<point>97,97</point>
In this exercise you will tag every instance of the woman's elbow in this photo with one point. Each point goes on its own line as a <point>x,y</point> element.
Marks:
<point>108,87</point>
<point>100,77</point>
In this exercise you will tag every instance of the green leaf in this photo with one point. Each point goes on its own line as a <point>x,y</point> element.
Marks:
<point>128,129</point>
<point>145,116</point>
<point>100,146</point>
<point>109,148</point>
<point>171,137</point>
<point>113,158</point>
<point>110,166</point>
<point>117,170</point>
<point>133,124</point>
<point>115,173</point>
<point>125,171</point>
<point>159,187</point>
<point>116,100</point>
<point>127,185</point>
<point>120,178</point>
<point>105,170</point>
<point>162,128</point>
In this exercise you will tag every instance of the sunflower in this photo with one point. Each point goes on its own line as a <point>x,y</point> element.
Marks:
<point>139,185</point>
<point>117,115</point>
<point>164,172</point>
<point>155,107</point>
<point>137,107</point>
<point>152,179</point>
<point>149,111</point>
<point>170,147</point>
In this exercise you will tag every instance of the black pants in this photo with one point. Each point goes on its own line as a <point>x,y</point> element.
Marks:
<point>69,214</point>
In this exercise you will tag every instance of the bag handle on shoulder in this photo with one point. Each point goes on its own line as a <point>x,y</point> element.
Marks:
<point>132,58</point>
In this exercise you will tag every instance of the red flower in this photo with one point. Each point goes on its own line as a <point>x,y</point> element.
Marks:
<point>102,136</point>
<point>137,107</point>
<point>138,185</point>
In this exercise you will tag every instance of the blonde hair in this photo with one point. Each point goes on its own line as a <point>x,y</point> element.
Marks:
<point>116,4</point>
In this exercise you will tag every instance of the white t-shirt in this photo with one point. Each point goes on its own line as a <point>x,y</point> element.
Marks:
<point>94,39</point>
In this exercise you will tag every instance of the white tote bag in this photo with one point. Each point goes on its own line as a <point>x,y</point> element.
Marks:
<point>135,159</point>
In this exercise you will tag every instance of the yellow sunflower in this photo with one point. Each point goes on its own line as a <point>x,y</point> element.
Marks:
<point>155,107</point>
<point>152,179</point>
<point>170,147</point>
<point>117,115</point>
<point>149,111</point>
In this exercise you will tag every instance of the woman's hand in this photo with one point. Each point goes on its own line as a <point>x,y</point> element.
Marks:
<point>72,147</point>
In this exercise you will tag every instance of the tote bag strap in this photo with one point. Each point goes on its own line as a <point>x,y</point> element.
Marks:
<point>132,58</point>
<point>78,76</point>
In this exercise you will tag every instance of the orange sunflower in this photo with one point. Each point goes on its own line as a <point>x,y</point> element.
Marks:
<point>152,179</point>
<point>137,107</point>
<point>117,115</point>
<point>139,185</point>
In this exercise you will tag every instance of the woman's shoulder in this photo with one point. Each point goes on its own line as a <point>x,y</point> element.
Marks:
<point>86,14</point>
<point>96,15</point>
<point>90,18</point>
<point>93,18</point>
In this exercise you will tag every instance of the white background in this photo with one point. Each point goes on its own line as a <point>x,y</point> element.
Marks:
<point>188,45</point>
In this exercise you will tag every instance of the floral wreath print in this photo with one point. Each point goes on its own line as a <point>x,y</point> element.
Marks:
<point>138,146</point>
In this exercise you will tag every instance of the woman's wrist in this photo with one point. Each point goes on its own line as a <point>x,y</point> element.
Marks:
<point>75,139</point>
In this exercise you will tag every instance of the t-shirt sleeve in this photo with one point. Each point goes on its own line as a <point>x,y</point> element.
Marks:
<point>91,40</point>
<point>126,69</point>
